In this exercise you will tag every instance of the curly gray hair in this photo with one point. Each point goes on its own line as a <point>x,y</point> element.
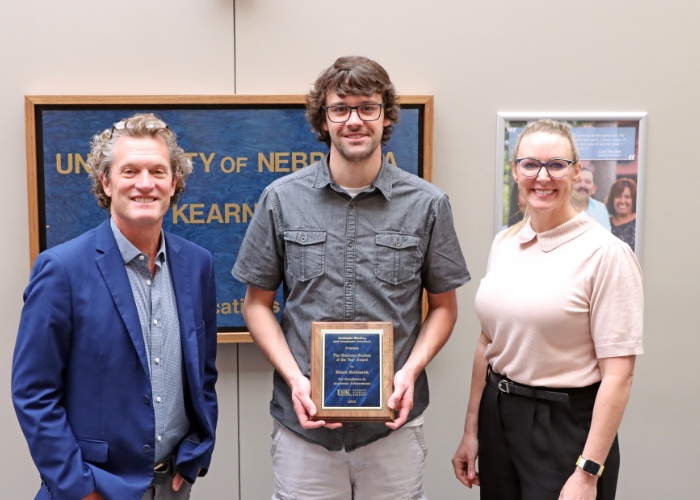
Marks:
<point>138,125</point>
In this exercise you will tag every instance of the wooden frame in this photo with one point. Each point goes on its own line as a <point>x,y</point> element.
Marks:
<point>76,118</point>
<point>352,371</point>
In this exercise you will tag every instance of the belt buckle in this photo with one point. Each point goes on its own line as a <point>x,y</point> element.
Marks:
<point>163,467</point>
<point>504,386</point>
<point>162,471</point>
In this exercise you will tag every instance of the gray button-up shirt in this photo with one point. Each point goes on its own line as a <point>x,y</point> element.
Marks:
<point>157,309</point>
<point>340,258</point>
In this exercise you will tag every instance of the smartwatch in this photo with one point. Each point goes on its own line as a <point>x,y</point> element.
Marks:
<point>593,468</point>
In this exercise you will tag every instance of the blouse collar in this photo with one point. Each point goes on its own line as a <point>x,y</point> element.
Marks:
<point>554,238</point>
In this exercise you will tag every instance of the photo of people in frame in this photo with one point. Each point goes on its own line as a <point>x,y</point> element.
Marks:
<point>611,171</point>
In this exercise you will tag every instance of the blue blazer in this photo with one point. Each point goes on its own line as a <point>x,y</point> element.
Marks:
<point>80,380</point>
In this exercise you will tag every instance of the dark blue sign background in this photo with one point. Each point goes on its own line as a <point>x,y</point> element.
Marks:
<point>233,150</point>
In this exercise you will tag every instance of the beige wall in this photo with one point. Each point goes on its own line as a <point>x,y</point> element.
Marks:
<point>477,58</point>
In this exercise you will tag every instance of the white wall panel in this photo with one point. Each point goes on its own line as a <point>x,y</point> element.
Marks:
<point>477,58</point>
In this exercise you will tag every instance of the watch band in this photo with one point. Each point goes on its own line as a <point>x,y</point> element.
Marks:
<point>589,466</point>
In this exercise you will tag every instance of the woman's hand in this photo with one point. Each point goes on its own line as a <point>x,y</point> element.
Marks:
<point>464,461</point>
<point>579,486</point>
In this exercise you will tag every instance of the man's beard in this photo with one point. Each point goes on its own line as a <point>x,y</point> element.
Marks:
<point>355,155</point>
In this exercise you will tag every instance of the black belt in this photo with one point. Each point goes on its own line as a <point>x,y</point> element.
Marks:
<point>164,471</point>
<point>507,386</point>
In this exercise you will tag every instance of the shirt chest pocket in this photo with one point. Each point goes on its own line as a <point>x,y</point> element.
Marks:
<point>305,251</point>
<point>397,256</point>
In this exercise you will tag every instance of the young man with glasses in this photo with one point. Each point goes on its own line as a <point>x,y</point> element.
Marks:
<point>114,366</point>
<point>352,239</point>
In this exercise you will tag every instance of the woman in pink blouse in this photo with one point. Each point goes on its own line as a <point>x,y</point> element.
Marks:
<point>560,310</point>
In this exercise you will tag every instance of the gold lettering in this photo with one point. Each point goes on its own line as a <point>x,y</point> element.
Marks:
<point>232,210</point>
<point>79,161</point>
<point>207,161</point>
<point>268,163</point>
<point>279,161</point>
<point>235,306</point>
<point>281,158</point>
<point>225,160</point>
<point>390,159</point>
<point>215,213</point>
<point>196,210</point>
<point>58,165</point>
<point>201,213</point>
<point>298,161</point>
<point>179,212</point>
<point>247,212</point>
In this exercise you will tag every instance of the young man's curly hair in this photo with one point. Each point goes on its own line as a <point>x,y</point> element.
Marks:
<point>354,75</point>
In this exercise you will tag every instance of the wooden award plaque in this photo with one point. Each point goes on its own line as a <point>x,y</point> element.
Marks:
<point>352,371</point>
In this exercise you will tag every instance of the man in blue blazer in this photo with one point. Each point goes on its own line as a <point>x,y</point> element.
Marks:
<point>114,367</point>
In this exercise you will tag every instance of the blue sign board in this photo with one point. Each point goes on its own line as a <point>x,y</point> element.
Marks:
<point>236,149</point>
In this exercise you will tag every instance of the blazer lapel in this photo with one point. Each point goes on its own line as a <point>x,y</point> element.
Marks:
<point>111,265</point>
<point>182,284</point>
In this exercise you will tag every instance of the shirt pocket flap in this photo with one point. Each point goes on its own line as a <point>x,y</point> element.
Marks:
<point>397,240</point>
<point>95,452</point>
<point>305,237</point>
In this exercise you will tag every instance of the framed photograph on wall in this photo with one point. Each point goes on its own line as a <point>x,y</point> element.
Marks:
<point>612,149</point>
<point>238,145</point>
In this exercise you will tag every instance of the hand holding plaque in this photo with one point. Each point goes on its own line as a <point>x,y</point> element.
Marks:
<point>352,371</point>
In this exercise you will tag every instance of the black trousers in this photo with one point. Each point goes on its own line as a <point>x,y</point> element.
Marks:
<point>528,447</point>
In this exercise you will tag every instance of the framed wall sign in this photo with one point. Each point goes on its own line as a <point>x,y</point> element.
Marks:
<point>612,148</point>
<point>238,145</point>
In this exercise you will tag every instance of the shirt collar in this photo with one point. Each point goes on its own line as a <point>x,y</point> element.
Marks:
<point>383,182</point>
<point>127,249</point>
<point>554,238</point>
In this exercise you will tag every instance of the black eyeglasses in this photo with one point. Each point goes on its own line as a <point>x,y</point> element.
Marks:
<point>555,167</point>
<point>121,125</point>
<point>340,113</point>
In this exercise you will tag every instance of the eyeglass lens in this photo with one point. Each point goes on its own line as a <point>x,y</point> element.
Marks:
<point>530,167</point>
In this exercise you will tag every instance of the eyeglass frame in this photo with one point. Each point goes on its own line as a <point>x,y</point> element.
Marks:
<point>357,112</point>
<point>544,164</point>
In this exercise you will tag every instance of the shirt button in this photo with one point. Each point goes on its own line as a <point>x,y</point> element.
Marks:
<point>350,244</point>
<point>158,399</point>
<point>146,399</point>
<point>148,282</point>
<point>398,243</point>
<point>157,361</point>
<point>160,439</point>
<point>349,285</point>
<point>141,257</point>
<point>155,321</point>
<point>146,449</point>
<point>352,203</point>
<point>303,238</point>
